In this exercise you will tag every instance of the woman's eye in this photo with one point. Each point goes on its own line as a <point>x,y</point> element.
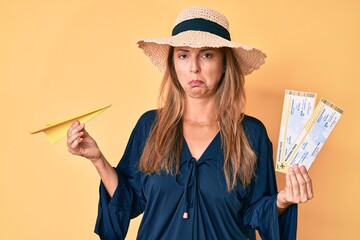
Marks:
<point>207,55</point>
<point>182,56</point>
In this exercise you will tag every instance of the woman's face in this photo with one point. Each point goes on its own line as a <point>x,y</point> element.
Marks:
<point>199,70</point>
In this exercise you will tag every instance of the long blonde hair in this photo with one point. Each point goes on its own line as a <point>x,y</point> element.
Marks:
<point>165,142</point>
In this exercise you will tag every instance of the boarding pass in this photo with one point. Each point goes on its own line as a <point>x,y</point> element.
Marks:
<point>304,129</point>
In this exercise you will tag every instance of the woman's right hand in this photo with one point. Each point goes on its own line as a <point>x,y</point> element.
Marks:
<point>80,143</point>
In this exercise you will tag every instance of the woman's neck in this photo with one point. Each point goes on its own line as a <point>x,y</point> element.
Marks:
<point>200,111</point>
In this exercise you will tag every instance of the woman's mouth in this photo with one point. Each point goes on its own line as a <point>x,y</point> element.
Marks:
<point>196,83</point>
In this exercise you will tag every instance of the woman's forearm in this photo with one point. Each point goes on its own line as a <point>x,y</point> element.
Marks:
<point>107,174</point>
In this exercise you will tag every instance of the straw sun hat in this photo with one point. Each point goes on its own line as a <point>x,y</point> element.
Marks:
<point>199,27</point>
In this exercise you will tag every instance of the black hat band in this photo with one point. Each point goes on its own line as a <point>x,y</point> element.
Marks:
<point>201,24</point>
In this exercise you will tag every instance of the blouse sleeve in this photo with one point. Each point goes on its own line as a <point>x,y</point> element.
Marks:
<point>261,211</point>
<point>114,214</point>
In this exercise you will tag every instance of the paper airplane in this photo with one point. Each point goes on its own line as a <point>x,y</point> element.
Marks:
<point>57,130</point>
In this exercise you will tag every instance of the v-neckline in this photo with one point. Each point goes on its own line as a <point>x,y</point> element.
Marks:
<point>209,150</point>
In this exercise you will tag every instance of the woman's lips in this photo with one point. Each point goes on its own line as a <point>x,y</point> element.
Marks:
<point>196,83</point>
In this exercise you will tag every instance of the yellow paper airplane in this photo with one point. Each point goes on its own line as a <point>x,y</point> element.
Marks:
<point>57,130</point>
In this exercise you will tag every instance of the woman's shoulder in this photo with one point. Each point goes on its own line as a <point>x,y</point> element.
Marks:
<point>255,130</point>
<point>145,122</point>
<point>148,116</point>
<point>253,124</point>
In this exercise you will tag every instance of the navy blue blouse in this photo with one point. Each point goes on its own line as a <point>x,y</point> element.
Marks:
<point>200,189</point>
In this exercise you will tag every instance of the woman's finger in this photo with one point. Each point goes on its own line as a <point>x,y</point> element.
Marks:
<point>303,196</point>
<point>76,142</point>
<point>288,186</point>
<point>75,133</point>
<point>75,127</point>
<point>309,187</point>
<point>74,137</point>
<point>294,184</point>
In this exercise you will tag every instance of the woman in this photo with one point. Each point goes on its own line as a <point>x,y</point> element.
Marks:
<point>198,167</point>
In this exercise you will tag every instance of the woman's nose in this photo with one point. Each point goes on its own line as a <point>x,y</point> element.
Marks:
<point>194,67</point>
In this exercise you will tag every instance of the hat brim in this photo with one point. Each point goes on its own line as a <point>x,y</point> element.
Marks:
<point>157,48</point>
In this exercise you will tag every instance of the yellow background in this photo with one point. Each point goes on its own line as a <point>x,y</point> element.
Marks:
<point>59,58</point>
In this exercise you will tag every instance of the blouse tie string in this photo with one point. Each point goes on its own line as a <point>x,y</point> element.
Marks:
<point>191,175</point>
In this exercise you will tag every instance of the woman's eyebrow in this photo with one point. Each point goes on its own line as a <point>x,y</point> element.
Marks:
<point>207,49</point>
<point>200,50</point>
<point>181,50</point>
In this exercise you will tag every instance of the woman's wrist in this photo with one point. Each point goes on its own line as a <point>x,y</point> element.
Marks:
<point>281,203</point>
<point>99,162</point>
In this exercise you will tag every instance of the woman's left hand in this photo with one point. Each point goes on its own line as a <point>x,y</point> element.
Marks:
<point>298,188</point>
